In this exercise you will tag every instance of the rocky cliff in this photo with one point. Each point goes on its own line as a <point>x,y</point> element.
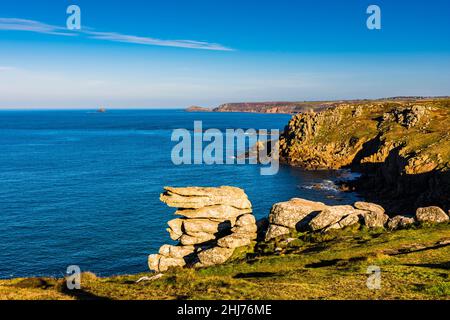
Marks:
<point>273,107</point>
<point>402,148</point>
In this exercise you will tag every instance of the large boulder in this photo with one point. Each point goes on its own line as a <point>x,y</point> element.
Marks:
<point>291,213</point>
<point>153,262</point>
<point>159,263</point>
<point>274,231</point>
<point>373,207</point>
<point>431,215</point>
<point>215,255</point>
<point>198,197</point>
<point>374,219</point>
<point>245,224</point>
<point>196,238</point>
<point>399,222</point>
<point>346,221</point>
<point>165,263</point>
<point>171,251</point>
<point>193,226</point>
<point>234,241</point>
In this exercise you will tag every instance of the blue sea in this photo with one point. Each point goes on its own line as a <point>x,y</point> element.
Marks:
<point>82,188</point>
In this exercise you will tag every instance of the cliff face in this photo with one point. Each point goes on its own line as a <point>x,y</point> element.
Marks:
<point>402,149</point>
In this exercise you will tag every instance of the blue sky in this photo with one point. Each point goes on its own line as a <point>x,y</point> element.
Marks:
<point>178,53</point>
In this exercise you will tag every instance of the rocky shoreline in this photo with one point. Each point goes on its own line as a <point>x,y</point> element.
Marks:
<point>401,149</point>
<point>216,221</point>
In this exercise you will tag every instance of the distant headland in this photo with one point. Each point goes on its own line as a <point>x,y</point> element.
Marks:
<point>294,107</point>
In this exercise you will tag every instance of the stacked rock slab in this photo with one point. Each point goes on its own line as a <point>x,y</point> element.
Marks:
<point>212,223</point>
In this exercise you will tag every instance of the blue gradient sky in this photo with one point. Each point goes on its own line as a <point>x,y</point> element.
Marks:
<point>247,50</point>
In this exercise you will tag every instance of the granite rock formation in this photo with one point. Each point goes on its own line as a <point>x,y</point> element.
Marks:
<point>402,149</point>
<point>309,216</point>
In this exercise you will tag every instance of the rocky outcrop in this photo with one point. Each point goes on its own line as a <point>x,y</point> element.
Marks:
<point>431,215</point>
<point>213,223</point>
<point>309,216</point>
<point>399,222</point>
<point>272,107</point>
<point>402,149</point>
<point>305,215</point>
<point>197,109</point>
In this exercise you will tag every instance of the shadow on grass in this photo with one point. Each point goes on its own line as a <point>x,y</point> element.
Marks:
<point>444,265</point>
<point>255,275</point>
<point>81,294</point>
<point>323,263</point>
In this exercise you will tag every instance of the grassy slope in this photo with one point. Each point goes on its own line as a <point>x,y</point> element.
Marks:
<point>323,267</point>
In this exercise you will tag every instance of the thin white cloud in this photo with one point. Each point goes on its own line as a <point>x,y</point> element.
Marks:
<point>14,24</point>
<point>117,37</point>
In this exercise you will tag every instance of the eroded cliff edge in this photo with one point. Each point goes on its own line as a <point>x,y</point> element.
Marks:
<point>401,148</point>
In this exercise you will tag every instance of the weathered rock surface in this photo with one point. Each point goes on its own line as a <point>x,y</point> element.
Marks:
<point>375,219</point>
<point>303,215</point>
<point>196,238</point>
<point>234,241</point>
<point>245,224</point>
<point>431,215</point>
<point>291,213</point>
<point>192,226</point>
<point>399,222</point>
<point>217,212</point>
<point>175,228</point>
<point>166,263</point>
<point>274,231</point>
<point>198,197</point>
<point>213,256</point>
<point>347,221</point>
<point>214,222</point>
<point>369,206</point>
<point>171,251</point>
<point>332,215</point>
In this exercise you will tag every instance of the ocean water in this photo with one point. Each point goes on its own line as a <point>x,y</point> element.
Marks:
<point>82,188</point>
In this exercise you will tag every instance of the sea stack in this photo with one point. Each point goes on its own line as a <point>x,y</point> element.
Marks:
<point>213,222</point>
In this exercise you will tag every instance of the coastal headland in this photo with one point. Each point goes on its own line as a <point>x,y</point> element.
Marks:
<point>306,249</point>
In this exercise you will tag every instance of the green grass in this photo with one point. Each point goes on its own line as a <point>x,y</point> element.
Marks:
<point>321,266</point>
